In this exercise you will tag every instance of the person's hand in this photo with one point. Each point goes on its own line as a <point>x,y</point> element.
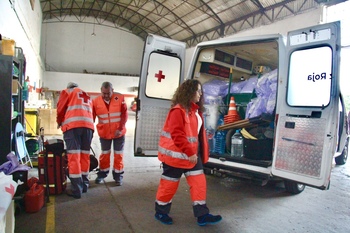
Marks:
<point>193,159</point>
<point>118,133</point>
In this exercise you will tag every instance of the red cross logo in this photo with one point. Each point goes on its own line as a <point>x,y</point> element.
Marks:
<point>160,76</point>
<point>82,95</point>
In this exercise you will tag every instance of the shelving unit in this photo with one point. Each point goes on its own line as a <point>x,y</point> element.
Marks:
<point>12,76</point>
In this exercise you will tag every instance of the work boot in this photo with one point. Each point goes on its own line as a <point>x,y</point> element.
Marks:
<point>86,183</point>
<point>99,180</point>
<point>118,177</point>
<point>71,194</point>
<point>208,219</point>
<point>164,218</point>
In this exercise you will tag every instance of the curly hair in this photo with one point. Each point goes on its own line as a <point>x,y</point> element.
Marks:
<point>185,93</point>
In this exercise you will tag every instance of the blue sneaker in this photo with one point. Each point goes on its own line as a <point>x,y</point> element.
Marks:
<point>164,218</point>
<point>208,219</point>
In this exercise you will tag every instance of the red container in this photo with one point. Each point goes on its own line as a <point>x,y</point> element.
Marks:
<point>34,199</point>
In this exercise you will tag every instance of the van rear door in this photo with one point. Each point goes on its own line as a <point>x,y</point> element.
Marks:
<point>308,106</point>
<point>161,73</point>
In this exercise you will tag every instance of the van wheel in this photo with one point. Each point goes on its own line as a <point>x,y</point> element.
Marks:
<point>293,187</point>
<point>341,159</point>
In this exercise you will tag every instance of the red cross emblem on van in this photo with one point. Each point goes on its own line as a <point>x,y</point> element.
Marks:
<point>160,76</point>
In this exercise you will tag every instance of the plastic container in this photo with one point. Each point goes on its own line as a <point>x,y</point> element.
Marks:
<point>237,145</point>
<point>34,198</point>
<point>220,142</point>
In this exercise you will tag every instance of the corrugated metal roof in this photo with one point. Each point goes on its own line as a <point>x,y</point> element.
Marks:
<point>191,21</point>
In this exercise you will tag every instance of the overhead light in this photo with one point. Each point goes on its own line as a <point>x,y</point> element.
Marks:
<point>93,29</point>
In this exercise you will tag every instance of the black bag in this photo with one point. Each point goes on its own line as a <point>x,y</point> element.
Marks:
<point>93,160</point>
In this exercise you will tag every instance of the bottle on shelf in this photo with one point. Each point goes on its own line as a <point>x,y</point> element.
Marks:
<point>220,138</point>
<point>211,139</point>
<point>237,145</point>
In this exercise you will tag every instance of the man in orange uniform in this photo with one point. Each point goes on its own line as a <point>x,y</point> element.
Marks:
<point>112,113</point>
<point>74,116</point>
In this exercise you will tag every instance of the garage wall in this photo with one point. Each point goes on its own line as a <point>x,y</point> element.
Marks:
<point>69,47</point>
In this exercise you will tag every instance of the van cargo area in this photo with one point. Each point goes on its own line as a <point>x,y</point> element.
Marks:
<point>241,76</point>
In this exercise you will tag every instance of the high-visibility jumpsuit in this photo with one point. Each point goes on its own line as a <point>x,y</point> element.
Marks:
<point>111,117</point>
<point>74,116</point>
<point>179,140</point>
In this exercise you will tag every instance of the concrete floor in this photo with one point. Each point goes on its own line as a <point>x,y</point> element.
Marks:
<point>245,207</point>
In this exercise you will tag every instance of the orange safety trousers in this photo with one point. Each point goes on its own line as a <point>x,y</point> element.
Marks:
<point>169,184</point>
<point>78,141</point>
<point>105,162</point>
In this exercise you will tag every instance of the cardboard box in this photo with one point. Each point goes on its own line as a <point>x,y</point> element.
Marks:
<point>8,47</point>
<point>15,87</point>
<point>47,119</point>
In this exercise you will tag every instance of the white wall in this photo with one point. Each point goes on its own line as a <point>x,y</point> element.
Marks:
<point>58,81</point>
<point>22,24</point>
<point>70,47</point>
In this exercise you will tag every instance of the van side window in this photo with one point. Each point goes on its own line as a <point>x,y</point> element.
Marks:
<point>310,77</point>
<point>164,71</point>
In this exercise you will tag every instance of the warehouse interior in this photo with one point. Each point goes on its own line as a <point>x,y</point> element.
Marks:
<point>89,42</point>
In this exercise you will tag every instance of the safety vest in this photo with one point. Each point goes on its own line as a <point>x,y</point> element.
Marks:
<point>109,118</point>
<point>79,110</point>
<point>172,155</point>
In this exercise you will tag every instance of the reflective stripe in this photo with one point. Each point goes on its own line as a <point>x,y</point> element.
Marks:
<point>118,152</point>
<point>85,152</point>
<point>173,154</point>
<point>73,119</point>
<point>73,151</point>
<point>117,171</point>
<point>104,170</point>
<point>167,135</point>
<point>74,175</point>
<point>163,203</point>
<point>115,120</point>
<point>103,115</point>
<point>199,202</point>
<point>170,178</point>
<point>107,152</point>
<point>194,173</point>
<point>100,121</point>
<point>75,107</point>
<point>85,173</point>
<point>114,114</point>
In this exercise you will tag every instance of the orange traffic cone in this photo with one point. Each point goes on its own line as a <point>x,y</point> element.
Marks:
<point>232,114</point>
<point>232,110</point>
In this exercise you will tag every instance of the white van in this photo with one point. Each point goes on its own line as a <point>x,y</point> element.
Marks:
<point>291,114</point>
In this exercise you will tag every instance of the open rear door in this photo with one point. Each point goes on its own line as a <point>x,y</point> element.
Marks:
<point>161,73</point>
<point>308,106</point>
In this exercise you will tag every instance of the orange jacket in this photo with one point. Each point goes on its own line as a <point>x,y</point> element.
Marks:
<point>179,138</point>
<point>111,117</point>
<point>74,110</point>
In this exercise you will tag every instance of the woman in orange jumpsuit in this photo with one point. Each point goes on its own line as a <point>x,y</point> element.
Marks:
<point>183,149</point>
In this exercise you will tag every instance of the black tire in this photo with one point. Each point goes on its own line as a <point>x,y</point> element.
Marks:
<point>293,187</point>
<point>341,159</point>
